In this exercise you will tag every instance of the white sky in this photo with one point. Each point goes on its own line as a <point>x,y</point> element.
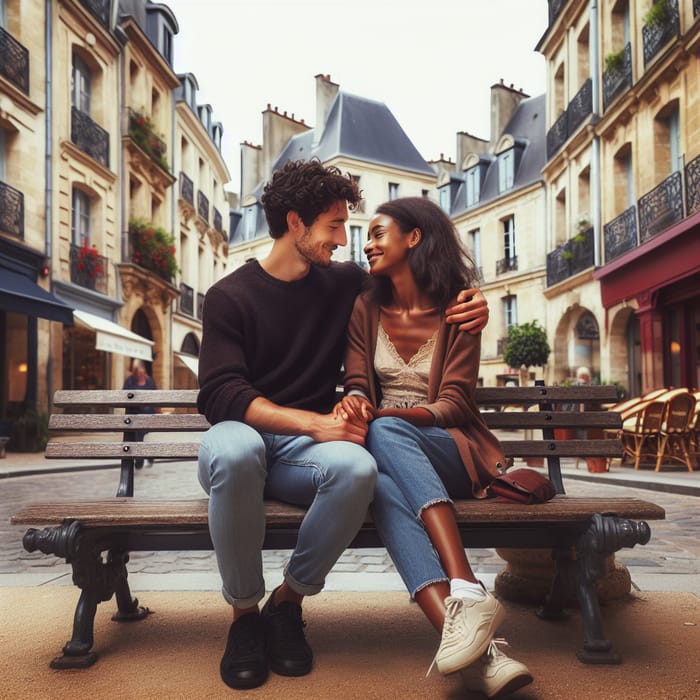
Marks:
<point>432,62</point>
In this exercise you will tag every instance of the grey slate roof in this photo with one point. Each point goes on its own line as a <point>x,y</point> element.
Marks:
<point>362,129</point>
<point>527,127</point>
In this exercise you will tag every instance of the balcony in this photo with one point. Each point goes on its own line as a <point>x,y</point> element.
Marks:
<point>507,265</point>
<point>186,299</point>
<point>88,268</point>
<point>186,189</point>
<point>203,205</point>
<point>618,75</point>
<point>660,29</point>
<point>692,184</point>
<point>14,61</point>
<point>580,107</point>
<point>11,210</point>
<point>101,9</point>
<point>89,137</point>
<point>142,133</point>
<point>570,258</point>
<point>662,207</point>
<point>620,234</point>
<point>565,126</point>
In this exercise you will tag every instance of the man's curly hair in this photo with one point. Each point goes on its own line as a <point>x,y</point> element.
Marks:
<point>308,188</point>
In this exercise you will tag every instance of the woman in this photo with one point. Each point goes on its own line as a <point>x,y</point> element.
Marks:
<point>413,377</point>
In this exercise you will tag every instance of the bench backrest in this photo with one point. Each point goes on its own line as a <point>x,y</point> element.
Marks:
<point>99,419</point>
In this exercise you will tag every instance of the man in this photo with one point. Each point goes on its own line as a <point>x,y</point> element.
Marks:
<point>139,379</point>
<point>272,347</point>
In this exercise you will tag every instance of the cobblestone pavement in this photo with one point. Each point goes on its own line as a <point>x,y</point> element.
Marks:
<point>670,561</point>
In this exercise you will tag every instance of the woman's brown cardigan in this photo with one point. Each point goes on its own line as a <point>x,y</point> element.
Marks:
<point>451,384</point>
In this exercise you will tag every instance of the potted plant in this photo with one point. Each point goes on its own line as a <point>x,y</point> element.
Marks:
<point>657,15</point>
<point>153,249</point>
<point>142,131</point>
<point>615,61</point>
<point>89,265</point>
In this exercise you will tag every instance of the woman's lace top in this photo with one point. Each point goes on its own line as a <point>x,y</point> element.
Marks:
<point>404,384</point>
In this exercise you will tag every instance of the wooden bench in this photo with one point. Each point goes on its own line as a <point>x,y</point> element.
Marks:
<point>95,537</point>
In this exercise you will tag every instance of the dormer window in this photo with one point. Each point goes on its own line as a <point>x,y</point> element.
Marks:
<point>473,179</point>
<point>161,26</point>
<point>217,134</point>
<point>506,169</point>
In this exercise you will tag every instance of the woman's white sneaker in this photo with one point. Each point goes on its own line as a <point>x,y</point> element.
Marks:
<point>468,629</point>
<point>494,674</point>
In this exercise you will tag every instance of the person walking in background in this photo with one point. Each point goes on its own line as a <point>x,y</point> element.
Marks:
<point>138,379</point>
<point>412,377</point>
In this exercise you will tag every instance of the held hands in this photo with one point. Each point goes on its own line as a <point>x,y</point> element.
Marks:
<point>339,425</point>
<point>471,311</point>
<point>356,408</point>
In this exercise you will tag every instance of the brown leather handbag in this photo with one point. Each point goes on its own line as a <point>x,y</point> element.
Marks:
<point>522,486</point>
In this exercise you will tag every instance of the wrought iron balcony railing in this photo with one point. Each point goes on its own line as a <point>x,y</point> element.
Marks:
<point>557,135</point>
<point>100,9</point>
<point>186,299</point>
<point>88,268</point>
<point>218,222</point>
<point>618,77</point>
<point>658,33</point>
<point>141,131</point>
<point>14,61</point>
<point>620,234</point>
<point>507,265</point>
<point>11,210</point>
<point>89,137</point>
<point>692,184</point>
<point>570,258</point>
<point>580,107</point>
<point>203,205</point>
<point>662,207</point>
<point>186,188</point>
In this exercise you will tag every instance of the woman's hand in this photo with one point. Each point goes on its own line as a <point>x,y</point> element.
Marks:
<point>355,408</point>
<point>471,311</point>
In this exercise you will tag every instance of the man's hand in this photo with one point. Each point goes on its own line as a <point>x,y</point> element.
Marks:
<point>332,426</point>
<point>356,408</point>
<point>471,311</point>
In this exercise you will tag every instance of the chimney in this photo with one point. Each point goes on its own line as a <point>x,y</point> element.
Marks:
<point>504,101</point>
<point>326,90</point>
<point>278,128</point>
<point>466,144</point>
<point>251,167</point>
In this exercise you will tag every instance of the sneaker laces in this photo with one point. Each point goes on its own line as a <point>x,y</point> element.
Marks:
<point>452,624</point>
<point>289,627</point>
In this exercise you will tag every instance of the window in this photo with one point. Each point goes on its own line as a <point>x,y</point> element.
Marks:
<point>80,85</point>
<point>424,193</point>
<point>509,238</point>
<point>623,179</point>
<point>667,145</point>
<point>445,198</point>
<point>510,311</point>
<point>357,246</point>
<point>250,215</point>
<point>80,218</point>
<point>473,177</point>
<point>475,245</point>
<point>505,170</point>
<point>393,190</point>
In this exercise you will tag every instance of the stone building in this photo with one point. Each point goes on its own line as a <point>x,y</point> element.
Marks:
<point>92,226</point>
<point>623,190</point>
<point>357,135</point>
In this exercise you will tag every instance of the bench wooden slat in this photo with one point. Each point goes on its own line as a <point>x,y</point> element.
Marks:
<point>514,395</point>
<point>116,450</point>
<point>134,512</point>
<point>161,422</point>
<point>553,419</point>
<point>121,398</point>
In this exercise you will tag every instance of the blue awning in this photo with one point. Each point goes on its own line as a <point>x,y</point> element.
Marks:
<point>19,294</point>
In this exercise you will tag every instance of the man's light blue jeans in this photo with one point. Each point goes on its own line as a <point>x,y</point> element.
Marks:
<point>239,466</point>
<point>418,467</point>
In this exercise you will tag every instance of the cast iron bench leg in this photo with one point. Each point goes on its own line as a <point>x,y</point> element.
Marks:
<point>561,589</point>
<point>605,536</point>
<point>128,608</point>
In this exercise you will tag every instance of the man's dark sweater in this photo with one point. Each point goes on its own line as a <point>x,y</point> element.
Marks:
<point>280,340</point>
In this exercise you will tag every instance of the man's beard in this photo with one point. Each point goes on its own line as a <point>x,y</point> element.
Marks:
<point>314,254</point>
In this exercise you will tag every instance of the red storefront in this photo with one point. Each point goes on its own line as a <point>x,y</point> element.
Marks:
<point>661,280</point>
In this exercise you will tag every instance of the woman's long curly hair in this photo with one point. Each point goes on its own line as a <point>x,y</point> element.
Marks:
<point>440,264</point>
<point>308,188</point>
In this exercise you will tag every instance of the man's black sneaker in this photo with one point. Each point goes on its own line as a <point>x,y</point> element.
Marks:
<point>244,663</point>
<point>287,649</point>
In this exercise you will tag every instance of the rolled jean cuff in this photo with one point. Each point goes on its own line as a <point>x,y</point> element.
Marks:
<point>442,579</point>
<point>434,502</point>
<point>302,588</point>
<point>248,602</point>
